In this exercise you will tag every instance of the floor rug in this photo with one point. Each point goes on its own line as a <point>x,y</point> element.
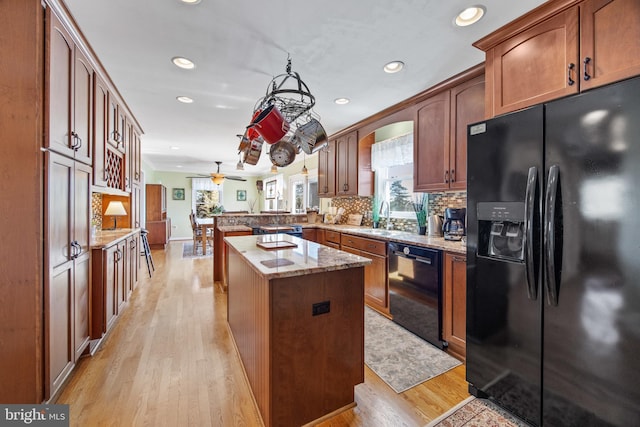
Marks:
<point>399,357</point>
<point>187,251</point>
<point>474,412</point>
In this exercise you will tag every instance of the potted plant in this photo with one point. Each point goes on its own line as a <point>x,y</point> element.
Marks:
<point>420,205</point>
<point>375,211</point>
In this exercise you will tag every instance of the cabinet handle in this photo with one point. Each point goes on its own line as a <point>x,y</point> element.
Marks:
<point>453,175</point>
<point>345,187</point>
<point>586,63</point>
<point>570,68</point>
<point>446,177</point>
<point>458,259</point>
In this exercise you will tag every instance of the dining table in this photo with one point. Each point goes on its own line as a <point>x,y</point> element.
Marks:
<point>205,224</point>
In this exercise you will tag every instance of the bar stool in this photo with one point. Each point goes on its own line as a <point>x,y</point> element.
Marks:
<point>146,251</point>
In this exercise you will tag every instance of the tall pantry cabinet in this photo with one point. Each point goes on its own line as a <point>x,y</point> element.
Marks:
<point>48,117</point>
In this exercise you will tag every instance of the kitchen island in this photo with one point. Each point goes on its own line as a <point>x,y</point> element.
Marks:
<point>296,316</point>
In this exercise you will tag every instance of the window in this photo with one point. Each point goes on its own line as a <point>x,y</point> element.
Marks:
<point>205,197</point>
<point>304,191</point>
<point>392,159</point>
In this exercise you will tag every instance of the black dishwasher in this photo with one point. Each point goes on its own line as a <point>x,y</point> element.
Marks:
<point>415,290</point>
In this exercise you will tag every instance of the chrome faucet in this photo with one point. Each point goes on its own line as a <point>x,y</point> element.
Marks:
<point>382,205</point>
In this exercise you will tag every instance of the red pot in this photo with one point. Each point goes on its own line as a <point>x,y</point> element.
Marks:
<point>271,125</point>
<point>251,132</point>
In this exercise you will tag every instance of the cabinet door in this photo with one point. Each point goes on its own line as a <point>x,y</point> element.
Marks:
<point>327,171</point>
<point>135,156</point>
<point>115,129</point>
<point>82,206</point>
<point>81,282</point>
<point>376,289</point>
<point>309,234</point>
<point>347,165</point>
<point>128,158</point>
<point>454,310</point>
<point>111,285</point>
<point>60,87</point>
<point>431,144</point>
<point>59,324</point>
<point>610,31</point>
<point>135,205</point>
<point>122,278</point>
<point>534,66</point>
<point>82,108</point>
<point>100,108</point>
<point>467,106</point>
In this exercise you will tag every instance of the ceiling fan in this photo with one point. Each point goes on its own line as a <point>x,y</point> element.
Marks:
<point>218,177</point>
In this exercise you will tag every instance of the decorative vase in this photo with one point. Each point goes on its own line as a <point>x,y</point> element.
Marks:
<point>422,230</point>
<point>376,224</point>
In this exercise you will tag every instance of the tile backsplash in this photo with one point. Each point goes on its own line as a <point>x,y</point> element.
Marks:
<point>96,210</point>
<point>438,202</point>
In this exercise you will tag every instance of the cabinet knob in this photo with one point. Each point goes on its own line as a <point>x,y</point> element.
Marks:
<point>570,68</point>
<point>446,177</point>
<point>586,73</point>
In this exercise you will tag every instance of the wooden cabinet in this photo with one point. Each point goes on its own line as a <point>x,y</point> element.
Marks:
<point>114,276</point>
<point>136,197</point>
<point>440,136</point>
<point>69,95</point>
<point>559,49</point>
<point>66,295</point>
<point>310,234</point>
<point>376,285</point>
<point>116,124</point>
<point>158,225</point>
<point>100,107</point>
<point>134,156</point>
<point>327,171</point>
<point>331,239</point>
<point>347,165</point>
<point>454,306</point>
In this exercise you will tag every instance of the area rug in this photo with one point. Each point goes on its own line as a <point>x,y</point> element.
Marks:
<point>187,251</point>
<point>398,357</point>
<point>474,412</point>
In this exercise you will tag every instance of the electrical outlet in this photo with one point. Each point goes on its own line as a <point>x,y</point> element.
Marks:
<point>321,308</point>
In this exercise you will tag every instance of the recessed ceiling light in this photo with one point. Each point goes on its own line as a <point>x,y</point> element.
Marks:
<point>175,148</point>
<point>185,63</point>
<point>191,1</point>
<point>341,101</point>
<point>393,67</point>
<point>184,99</point>
<point>179,166</point>
<point>470,15</point>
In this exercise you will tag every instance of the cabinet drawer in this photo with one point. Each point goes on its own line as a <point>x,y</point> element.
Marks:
<point>332,236</point>
<point>377,247</point>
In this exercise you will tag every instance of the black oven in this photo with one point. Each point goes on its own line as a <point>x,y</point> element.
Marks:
<point>293,230</point>
<point>415,290</point>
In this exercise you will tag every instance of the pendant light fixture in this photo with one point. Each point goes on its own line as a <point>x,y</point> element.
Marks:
<point>304,166</point>
<point>274,169</point>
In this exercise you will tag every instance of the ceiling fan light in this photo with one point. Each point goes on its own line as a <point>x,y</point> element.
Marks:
<point>217,179</point>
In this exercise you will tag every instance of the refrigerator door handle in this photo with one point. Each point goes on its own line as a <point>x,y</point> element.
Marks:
<point>529,211</point>
<point>551,200</point>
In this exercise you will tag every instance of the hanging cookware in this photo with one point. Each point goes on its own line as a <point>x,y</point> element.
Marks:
<point>270,124</point>
<point>310,137</point>
<point>251,132</point>
<point>252,153</point>
<point>282,153</point>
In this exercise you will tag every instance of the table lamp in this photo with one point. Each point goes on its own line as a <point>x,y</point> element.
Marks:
<point>115,209</point>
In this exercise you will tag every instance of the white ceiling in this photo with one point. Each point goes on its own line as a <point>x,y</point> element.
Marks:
<point>338,47</point>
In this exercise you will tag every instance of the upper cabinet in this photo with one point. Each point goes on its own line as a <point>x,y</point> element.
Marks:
<point>347,165</point>
<point>116,124</point>
<point>440,136</point>
<point>327,171</point>
<point>558,49</point>
<point>69,94</point>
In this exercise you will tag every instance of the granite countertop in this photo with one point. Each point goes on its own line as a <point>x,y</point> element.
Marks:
<point>306,258</point>
<point>106,238</point>
<point>396,236</point>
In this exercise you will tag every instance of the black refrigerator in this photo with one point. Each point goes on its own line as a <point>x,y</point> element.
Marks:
<point>553,259</point>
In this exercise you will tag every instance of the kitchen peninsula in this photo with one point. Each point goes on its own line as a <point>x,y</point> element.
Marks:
<point>297,319</point>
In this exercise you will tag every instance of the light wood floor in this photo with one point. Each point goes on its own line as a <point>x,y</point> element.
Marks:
<point>169,361</point>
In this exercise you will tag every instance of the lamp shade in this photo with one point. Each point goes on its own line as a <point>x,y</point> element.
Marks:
<point>217,178</point>
<point>115,208</point>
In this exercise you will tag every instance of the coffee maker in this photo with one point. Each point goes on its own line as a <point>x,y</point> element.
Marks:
<point>454,223</point>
